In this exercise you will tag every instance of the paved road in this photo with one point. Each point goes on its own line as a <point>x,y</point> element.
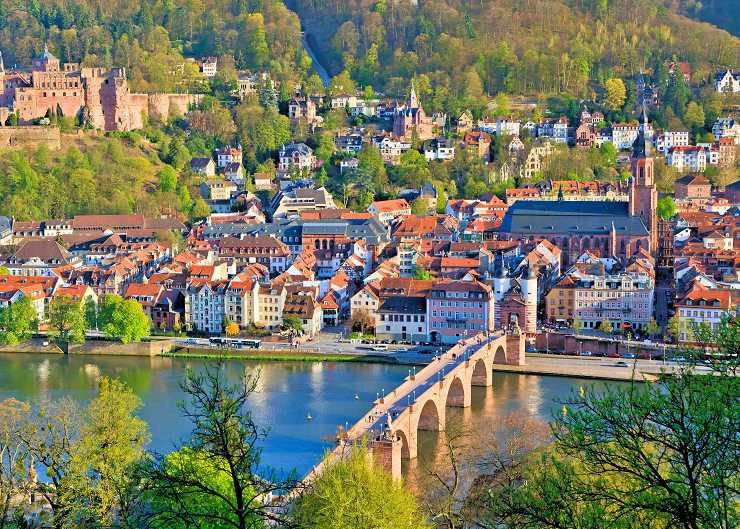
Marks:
<point>604,368</point>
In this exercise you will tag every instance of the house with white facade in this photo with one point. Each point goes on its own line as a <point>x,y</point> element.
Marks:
<point>727,82</point>
<point>668,139</point>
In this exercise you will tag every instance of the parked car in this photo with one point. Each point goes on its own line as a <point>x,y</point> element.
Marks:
<point>380,347</point>
<point>629,355</point>
<point>621,364</point>
<point>586,353</point>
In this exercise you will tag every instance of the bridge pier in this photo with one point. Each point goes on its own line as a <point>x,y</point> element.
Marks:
<point>515,355</point>
<point>482,374</point>
<point>386,453</point>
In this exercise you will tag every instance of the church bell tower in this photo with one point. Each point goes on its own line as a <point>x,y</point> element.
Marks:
<point>643,197</point>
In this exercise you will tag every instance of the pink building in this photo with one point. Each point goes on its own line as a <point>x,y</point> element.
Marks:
<point>459,309</point>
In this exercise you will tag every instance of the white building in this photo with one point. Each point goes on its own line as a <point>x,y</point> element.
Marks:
<point>391,148</point>
<point>209,66</point>
<point>439,149</point>
<point>703,306</point>
<point>688,158</point>
<point>204,306</point>
<point>726,128</point>
<point>556,129</point>
<point>671,138</point>
<point>387,210</point>
<point>624,135</point>
<point>508,127</point>
<point>727,82</point>
<point>228,155</point>
<point>296,155</point>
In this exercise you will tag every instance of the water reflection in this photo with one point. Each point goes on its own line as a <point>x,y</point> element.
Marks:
<point>287,393</point>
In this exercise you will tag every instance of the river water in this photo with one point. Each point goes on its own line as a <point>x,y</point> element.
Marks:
<point>288,393</point>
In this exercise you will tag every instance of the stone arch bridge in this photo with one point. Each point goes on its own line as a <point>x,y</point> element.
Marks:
<point>391,427</point>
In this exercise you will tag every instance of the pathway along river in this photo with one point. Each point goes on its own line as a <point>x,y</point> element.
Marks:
<point>289,391</point>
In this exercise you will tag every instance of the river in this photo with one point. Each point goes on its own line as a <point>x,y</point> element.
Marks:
<point>288,392</point>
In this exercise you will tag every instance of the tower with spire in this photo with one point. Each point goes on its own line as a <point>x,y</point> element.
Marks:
<point>643,197</point>
<point>413,101</point>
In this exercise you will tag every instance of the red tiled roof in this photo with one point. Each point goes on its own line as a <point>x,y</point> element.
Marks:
<point>387,206</point>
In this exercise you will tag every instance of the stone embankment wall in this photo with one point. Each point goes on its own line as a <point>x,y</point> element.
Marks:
<point>30,137</point>
<point>93,347</point>
<point>574,345</point>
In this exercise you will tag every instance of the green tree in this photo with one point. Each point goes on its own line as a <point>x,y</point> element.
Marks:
<point>167,179</point>
<point>419,206</point>
<point>412,169</point>
<point>694,115</point>
<point>257,41</point>
<point>103,461</point>
<point>200,210</point>
<point>50,438</point>
<point>576,325</point>
<point>224,437</point>
<point>674,327</point>
<point>293,323</point>
<point>666,208</point>
<point>14,463</point>
<point>90,308</point>
<point>652,327</point>
<point>606,326</point>
<point>178,155</point>
<point>214,477</point>
<point>127,322</point>
<point>342,84</point>
<point>615,94</point>
<point>4,271</point>
<point>67,319</point>
<point>352,492</point>
<point>608,154</point>
<point>644,455</point>
<point>370,161</point>
<point>421,273</point>
<point>18,321</point>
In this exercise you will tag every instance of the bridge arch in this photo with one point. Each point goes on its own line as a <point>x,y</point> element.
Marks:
<point>430,417</point>
<point>481,375</point>
<point>405,446</point>
<point>500,356</point>
<point>457,393</point>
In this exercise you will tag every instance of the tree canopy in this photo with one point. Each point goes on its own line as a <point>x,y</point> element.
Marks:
<point>352,492</point>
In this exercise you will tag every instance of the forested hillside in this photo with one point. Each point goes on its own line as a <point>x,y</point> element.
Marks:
<point>516,46</point>
<point>92,174</point>
<point>150,37</point>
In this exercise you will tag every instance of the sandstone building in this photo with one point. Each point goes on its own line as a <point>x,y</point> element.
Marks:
<point>99,97</point>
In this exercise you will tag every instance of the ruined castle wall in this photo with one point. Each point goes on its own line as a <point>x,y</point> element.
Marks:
<point>163,106</point>
<point>138,106</point>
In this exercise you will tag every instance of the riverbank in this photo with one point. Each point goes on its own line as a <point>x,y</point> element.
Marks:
<point>279,355</point>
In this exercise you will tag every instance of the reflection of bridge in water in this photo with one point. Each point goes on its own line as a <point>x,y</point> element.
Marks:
<point>391,427</point>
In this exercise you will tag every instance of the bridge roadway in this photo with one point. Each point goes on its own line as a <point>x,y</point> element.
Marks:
<point>391,426</point>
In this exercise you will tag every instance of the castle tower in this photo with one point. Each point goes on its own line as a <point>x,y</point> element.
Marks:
<point>46,62</point>
<point>643,197</point>
<point>528,286</point>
